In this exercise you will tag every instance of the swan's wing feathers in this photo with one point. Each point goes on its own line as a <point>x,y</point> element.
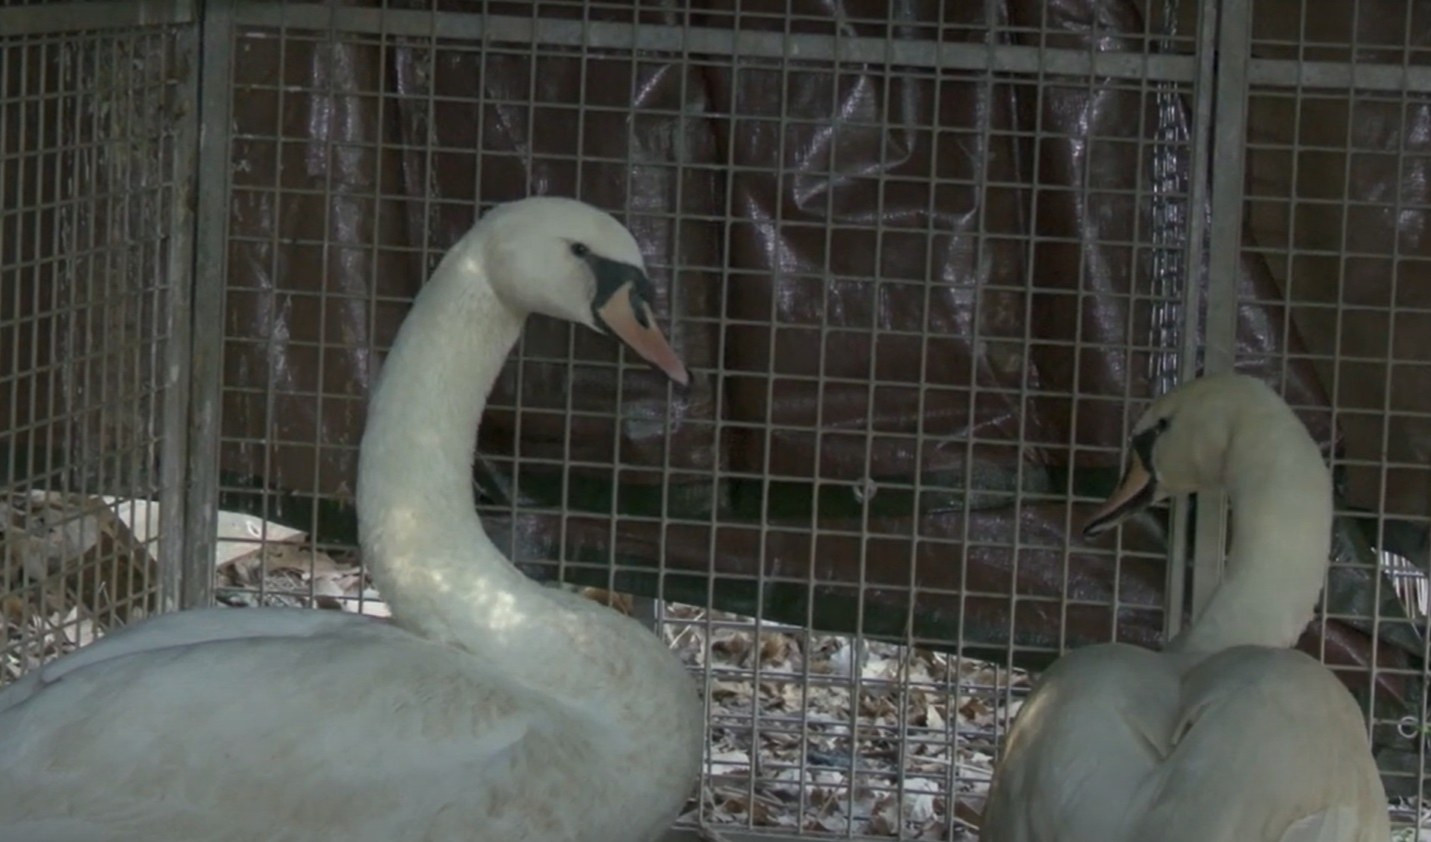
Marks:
<point>1094,727</point>
<point>181,629</point>
<point>1270,746</point>
<point>125,738</point>
<point>1252,744</point>
<point>1331,825</point>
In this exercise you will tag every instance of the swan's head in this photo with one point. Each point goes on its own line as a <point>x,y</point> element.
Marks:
<point>566,259</point>
<point>1183,442</point>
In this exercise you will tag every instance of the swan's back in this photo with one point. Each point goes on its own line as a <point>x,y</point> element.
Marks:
<point>391,727</point>
<point>1268,746</point>
<point>1253,744</point>
<point>179,630</point>
<point>1095,726</point>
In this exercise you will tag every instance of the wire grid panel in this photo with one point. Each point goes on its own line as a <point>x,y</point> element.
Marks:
<point>921,299</point>
<point>1336,213</point>
<point>90,155</point>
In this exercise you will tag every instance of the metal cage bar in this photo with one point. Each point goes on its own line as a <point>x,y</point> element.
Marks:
<point>211,247</point>
<point>175,548</point>
<point>1224,255</point>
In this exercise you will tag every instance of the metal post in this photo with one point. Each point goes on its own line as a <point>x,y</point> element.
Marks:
<point>1229,128</point>
<point>1196,268</point>
<point>173,549</point>
<point>206,364</point>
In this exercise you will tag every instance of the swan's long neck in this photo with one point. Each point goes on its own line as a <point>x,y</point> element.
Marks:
<point>430,558</point>
<point>1281,498</point>
<point>571,660</point>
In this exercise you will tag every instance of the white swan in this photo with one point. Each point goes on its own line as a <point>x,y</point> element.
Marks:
<point>492,709</point>
<point>1228,735</point>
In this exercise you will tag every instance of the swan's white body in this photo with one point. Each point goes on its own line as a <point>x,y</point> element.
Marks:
<point>491,709</point>
<point>1228,735</point>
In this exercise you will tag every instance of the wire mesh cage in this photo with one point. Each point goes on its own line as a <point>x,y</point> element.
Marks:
<point>869,484</point>
<point>1333,209</point>
<point>926,262</point>
<point>92,169</point>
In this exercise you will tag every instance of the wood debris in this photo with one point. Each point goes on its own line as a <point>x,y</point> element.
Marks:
<point>74,566</point>
<point>298,576</point>
<point>70,568</point>
<point>1417,818</point>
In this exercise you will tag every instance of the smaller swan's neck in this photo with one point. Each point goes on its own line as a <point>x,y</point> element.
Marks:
<point>1281,497</point>
<point>430,557</point>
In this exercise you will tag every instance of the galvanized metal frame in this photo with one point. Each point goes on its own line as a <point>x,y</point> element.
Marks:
<point>93,16</point>
<point>695,39</point>
<point>175,548</point>
<point>209,272</point>
<point>1229,127</point>
<point>1196,263</point>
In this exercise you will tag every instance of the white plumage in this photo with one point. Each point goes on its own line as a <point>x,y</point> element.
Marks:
<point>1228,735</point>
<point>491,709</point>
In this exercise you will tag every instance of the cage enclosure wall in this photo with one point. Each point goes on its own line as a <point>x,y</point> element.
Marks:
<point>96,137</point>
<point>926,261</point>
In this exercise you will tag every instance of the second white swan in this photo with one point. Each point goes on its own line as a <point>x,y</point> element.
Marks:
<point>1228,735</point>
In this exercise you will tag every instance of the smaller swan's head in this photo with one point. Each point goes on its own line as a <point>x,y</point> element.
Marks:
<point>566,259</point>
<point>1182,442</point>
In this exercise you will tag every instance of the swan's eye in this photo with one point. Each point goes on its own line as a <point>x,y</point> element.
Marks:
<point>1162,424</point>
<point>580,250</point>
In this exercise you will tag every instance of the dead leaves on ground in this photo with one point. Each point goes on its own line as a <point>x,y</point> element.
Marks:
<point>817,733</point>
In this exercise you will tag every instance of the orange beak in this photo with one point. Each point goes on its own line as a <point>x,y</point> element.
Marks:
<point>1134,493</point>
<point>639,332</point>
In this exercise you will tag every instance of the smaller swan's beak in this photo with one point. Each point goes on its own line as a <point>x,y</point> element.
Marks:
<point>629,317</point>
<point>1135,492</point>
